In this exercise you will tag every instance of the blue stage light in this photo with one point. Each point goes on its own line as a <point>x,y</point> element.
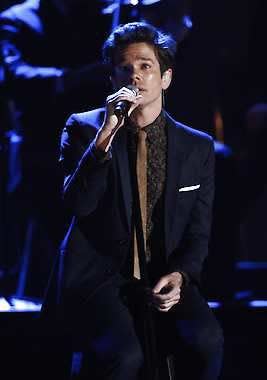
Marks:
<point>258,303</point>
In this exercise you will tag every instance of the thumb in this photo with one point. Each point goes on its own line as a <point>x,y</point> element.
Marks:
<point>161,284</point>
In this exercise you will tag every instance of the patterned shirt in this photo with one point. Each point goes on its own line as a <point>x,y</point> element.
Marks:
<point>156,142</point>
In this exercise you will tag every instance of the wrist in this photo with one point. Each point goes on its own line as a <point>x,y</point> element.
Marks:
<point>105,136</point>
<point>99,154</point>
<point>181,277</point>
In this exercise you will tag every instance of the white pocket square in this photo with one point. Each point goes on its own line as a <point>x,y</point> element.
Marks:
<point>189,188</point>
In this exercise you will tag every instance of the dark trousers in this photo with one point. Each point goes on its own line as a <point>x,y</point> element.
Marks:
<point>112,345</point>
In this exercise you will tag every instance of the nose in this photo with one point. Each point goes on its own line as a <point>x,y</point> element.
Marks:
<point>135,76</point>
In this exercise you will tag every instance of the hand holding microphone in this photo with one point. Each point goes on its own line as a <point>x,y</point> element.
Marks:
<point>121,102</point>
<point>118,105</point>
<point>122,107</point>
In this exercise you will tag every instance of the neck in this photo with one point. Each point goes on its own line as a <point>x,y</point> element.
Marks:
<point>143,116</point>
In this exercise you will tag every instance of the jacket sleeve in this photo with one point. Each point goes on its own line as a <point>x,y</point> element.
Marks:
<point>193,247</point>
<point>85,171</point>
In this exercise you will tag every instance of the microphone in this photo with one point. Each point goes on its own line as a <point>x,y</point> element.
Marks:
<point>122,107</point>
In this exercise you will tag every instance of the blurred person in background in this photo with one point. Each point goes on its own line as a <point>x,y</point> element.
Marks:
<point>253,185</point>
<point>49,53</point>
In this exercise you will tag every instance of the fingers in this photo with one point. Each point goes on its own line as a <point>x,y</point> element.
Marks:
<point>167,297</point>
<point>167,306</point>
<point>166,292</point>
<point>168,281</point>
<point>162,283</point>
<point>164,302</point>
<point>159,300</point>
<point>112,122</point>
<point>123,94</point>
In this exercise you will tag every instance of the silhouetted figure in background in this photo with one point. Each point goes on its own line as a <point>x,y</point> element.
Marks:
<point>253,185</point>
<point>219,269</point>
<point>49,51</point>
<point>170,15</point>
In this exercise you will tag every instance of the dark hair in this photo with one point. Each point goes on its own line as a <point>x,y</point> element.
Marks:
<point>124,35</point>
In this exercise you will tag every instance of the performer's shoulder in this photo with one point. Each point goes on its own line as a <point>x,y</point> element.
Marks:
<point>189,132</point>
<point>92,118</point>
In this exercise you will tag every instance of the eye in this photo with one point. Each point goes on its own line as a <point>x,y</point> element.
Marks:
<point>124,68</point>
<point>146,66</point>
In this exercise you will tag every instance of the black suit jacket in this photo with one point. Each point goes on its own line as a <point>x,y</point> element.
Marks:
<point>98,195</point>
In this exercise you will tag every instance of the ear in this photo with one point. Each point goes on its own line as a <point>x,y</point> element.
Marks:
<point>166,79</point>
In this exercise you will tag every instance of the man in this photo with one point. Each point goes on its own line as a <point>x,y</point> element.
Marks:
<point>101,256</point>
<point>48,72</point>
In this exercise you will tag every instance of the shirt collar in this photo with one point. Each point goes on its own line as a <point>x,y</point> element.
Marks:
<point>158,123</point>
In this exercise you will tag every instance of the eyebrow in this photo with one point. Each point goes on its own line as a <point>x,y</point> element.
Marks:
<point>144,59</point>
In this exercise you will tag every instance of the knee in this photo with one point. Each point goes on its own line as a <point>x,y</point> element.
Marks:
<point>204,339</point>
<point>130,357</point>
<point>208,342</point>
<point>123,355</point>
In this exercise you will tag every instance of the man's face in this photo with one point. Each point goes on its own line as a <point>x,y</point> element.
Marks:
<point>138,65</point>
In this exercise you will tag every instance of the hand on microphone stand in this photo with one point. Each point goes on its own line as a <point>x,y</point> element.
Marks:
<point>118,105</point>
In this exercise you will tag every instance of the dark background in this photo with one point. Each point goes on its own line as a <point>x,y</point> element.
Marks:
<point>221,63</point>
<point>220,74</point>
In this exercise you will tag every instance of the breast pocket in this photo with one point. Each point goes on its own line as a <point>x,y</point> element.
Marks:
<point>186,197</point>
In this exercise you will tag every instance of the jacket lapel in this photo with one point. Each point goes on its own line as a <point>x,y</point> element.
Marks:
<point>175,158</point>
<point>121,157</point>
<point>176,153</point>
